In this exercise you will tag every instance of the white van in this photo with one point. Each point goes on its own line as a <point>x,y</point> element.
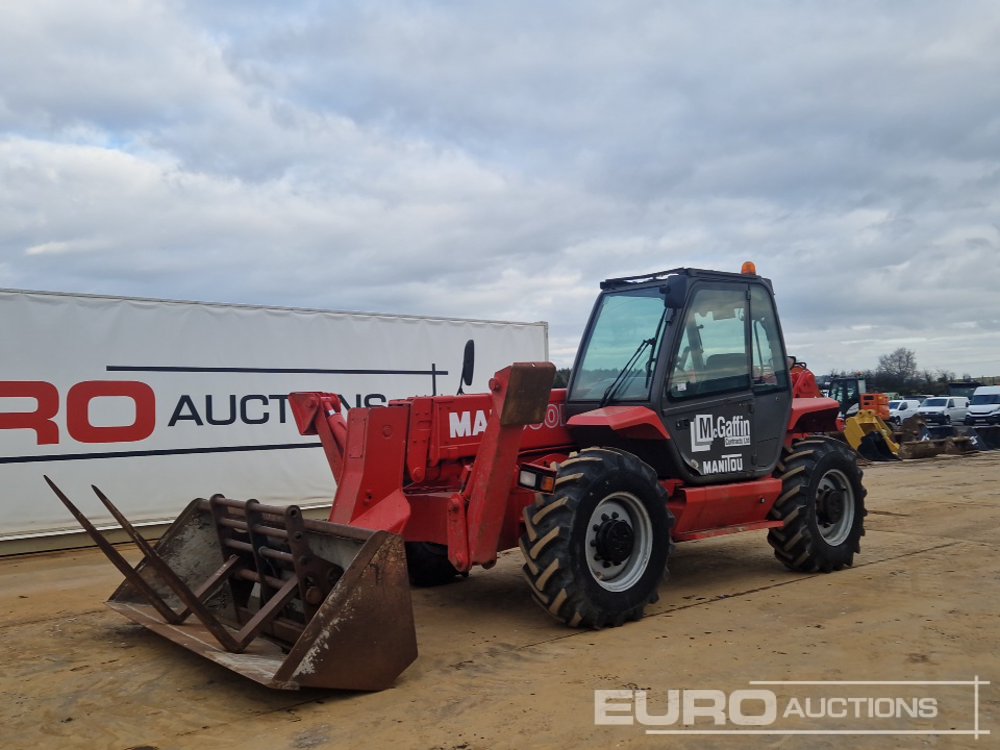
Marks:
<point>903,408</point>
<point>944,409</point>
<point>984,408</point>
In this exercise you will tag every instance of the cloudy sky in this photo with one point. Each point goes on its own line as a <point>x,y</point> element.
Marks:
<point>497,160</point>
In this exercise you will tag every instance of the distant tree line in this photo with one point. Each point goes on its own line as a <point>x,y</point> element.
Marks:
<point>897,372</point>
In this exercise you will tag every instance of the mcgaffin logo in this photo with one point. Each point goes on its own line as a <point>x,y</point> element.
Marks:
<point>735,432</point>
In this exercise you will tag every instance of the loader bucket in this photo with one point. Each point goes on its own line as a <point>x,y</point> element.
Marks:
<point>940,431</point>
<point>874,447</point>
<point>933,440</point>
<point>925,448</point>
<point>285,601</point>
<point>987,437</point>
<point>871,437</point>
<point>983,438</point>
<point>963,440</point>
<point>911,430</point>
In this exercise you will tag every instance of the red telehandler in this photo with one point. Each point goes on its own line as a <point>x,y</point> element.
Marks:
<point>683,419</point>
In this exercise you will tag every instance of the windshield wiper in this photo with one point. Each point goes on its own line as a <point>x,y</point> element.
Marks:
<point>626,372</point>
<point>652,352</point>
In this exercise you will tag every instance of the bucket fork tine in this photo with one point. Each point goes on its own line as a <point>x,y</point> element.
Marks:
<point>131,575</point>
<point>191,599</point>
<point>337,612</point>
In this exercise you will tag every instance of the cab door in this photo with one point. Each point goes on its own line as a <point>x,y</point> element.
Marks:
<point>727,394</point>
<point>770,380</point>
<point>707,402</point>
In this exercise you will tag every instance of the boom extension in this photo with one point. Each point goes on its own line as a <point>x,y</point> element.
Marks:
<point>367,453</point>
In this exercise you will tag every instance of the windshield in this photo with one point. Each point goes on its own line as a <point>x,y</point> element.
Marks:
<point>935,402</point>
<point>984,399</point>
<point>894,404</point>
<point>624,321</point>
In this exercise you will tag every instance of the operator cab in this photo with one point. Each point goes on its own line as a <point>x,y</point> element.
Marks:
<point>686,368</point>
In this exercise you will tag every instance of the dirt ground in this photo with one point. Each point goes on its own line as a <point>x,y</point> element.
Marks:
<point>922,603</point>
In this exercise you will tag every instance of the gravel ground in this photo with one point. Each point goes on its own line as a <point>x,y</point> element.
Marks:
<point>922,603</point>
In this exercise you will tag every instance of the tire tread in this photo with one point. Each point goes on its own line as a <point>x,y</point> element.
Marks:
<point>798,544</point>
<point>548,525</point>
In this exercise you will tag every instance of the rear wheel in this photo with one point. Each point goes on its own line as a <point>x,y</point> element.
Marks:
<point>596,549</point>
<point>822,504</point>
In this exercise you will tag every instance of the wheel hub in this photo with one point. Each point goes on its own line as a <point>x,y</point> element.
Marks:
<point>618,541</point>
<point>830,507</point>
<point>614,541</point>
<point>835,502</point>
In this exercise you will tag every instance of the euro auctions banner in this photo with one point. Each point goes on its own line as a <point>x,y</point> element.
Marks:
<point>160,402</point>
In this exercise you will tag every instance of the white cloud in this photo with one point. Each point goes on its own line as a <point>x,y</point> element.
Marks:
<point>497,160</point>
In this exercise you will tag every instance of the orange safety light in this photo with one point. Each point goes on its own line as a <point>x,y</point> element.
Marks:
<point>749,268</point>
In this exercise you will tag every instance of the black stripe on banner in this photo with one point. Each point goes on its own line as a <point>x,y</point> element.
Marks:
<point>164,452</point>
<point>272,370</point>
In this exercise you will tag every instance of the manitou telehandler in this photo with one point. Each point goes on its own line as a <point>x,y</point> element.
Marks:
<point>684,418</point>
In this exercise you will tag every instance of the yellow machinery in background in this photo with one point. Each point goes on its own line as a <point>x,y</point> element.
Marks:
<point>867,431</point>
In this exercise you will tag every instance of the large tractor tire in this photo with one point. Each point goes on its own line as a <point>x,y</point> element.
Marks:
<point>822,504</point>
<point>595,550</point>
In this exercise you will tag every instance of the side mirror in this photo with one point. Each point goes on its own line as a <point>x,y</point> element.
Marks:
<point>468,365</point>
<point>675,292</point>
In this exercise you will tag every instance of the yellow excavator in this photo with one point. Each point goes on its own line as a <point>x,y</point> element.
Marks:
<point>866,429</point>
<point>865,418</point>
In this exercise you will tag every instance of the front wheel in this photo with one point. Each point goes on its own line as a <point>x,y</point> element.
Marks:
<point>596,549</point>
<point>822,504</point>
<point>428,564</point>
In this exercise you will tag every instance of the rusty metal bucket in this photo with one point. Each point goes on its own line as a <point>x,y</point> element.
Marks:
<point>286,601</point>
<point>951,439</point>
<point>988,436</point>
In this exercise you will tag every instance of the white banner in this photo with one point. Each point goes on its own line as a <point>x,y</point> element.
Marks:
<point>159,402</point>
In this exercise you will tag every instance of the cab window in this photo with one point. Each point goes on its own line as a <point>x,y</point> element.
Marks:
<point>770,366</point>
<point>711,355</point>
